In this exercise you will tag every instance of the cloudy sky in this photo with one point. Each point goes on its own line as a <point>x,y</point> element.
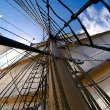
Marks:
<point>96,19</point>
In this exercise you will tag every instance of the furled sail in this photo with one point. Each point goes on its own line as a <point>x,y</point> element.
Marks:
<point>4,49</point>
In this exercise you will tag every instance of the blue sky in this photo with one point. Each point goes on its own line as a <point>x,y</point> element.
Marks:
<point>96,19</point>
<point>13,16</point>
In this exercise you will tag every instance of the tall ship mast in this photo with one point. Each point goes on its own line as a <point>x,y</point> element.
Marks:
<point>69,69</point>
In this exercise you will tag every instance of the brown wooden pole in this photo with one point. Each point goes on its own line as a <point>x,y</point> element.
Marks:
<point>70,96</point>
<point>51,97</point>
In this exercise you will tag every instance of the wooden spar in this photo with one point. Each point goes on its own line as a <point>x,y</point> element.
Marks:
<point>64,82</point>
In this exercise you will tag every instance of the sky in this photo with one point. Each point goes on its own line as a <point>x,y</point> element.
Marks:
<point>89,17</point>
<point>96,19</point>
<point>16,18</point>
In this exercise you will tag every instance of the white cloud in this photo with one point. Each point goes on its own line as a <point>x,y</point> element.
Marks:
<point>92,12</point>
<point>1,16</point>
<point>96,21</point>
